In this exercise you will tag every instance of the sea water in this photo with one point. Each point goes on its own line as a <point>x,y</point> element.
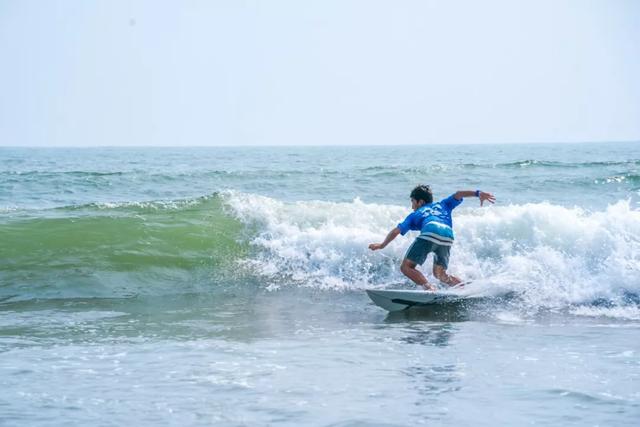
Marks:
<point>225,286</point>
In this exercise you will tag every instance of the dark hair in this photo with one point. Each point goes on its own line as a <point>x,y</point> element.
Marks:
<point>422,192</point>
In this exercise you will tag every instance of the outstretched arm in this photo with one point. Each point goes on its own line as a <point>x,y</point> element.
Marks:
<point>479,194</point>
<point>392,235</point>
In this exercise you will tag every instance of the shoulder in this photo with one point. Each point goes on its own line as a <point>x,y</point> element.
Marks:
<point>451,201</point>
<point>411,217</point>
<point>414,215</point>
<point>408,223</point>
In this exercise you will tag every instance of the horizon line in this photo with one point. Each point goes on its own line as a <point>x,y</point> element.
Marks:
<point>323,145</point>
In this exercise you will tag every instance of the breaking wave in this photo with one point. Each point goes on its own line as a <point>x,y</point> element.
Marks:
<point>553,257</point>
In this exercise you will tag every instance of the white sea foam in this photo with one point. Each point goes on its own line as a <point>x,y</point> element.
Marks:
<point>150,205</point>
<point>555,255</point>
<point>8,209</point>
<point>552,255</point>
<point>322,244</point>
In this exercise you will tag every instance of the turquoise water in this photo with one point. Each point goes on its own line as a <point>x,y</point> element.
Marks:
<point>224,286</point>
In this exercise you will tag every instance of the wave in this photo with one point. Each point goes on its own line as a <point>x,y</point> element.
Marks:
<point>393,170</point>
<point>130,234</point>
<point>553,257</point>
<point>631,178</point>
<point>48,174</point>
<point>234,173</point>
<point>107,249</point>
<point>557,164</point>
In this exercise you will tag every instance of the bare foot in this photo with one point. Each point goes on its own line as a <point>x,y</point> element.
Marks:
<point>428,287</point>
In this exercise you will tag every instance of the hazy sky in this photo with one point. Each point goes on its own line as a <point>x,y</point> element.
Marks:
<point>87,73</point>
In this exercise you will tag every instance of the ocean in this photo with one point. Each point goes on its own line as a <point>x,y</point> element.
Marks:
<point>225,286</point>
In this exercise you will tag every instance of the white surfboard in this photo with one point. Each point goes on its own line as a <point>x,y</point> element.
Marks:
<point>396,300</point>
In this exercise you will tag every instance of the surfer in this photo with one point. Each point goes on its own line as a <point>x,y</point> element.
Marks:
<point>436,233</point>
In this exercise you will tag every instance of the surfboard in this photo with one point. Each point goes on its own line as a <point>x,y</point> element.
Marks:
<point>397,300</point>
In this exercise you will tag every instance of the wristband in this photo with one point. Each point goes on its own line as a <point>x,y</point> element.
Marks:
<point>477,193</point>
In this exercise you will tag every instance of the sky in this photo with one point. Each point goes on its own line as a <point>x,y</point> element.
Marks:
<point>184,73</point>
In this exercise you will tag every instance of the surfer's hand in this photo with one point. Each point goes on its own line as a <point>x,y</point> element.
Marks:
<point>375,246</point>
<point>486,197</point>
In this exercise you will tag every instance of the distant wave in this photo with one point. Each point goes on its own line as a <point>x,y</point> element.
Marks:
<point>556,164</point>
<point>41,173</point>
<point>36,175</point>
<point>526,163</point>
<point>631,178</point>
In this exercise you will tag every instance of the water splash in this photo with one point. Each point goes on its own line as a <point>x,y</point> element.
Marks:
<point>553,256</point>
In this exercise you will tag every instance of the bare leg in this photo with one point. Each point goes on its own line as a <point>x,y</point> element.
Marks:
<point>441,274</point>
<point>408,268</point>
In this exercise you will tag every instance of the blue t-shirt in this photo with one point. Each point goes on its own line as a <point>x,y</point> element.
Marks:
<point>432,218</point>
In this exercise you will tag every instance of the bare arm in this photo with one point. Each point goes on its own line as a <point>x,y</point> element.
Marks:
<point>392,235</point>
<point>480,194</point>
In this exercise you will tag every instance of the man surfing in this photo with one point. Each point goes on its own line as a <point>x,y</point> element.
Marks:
<point>436,233</point>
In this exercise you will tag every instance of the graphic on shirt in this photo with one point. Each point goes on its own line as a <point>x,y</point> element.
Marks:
<point>433,220</point>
